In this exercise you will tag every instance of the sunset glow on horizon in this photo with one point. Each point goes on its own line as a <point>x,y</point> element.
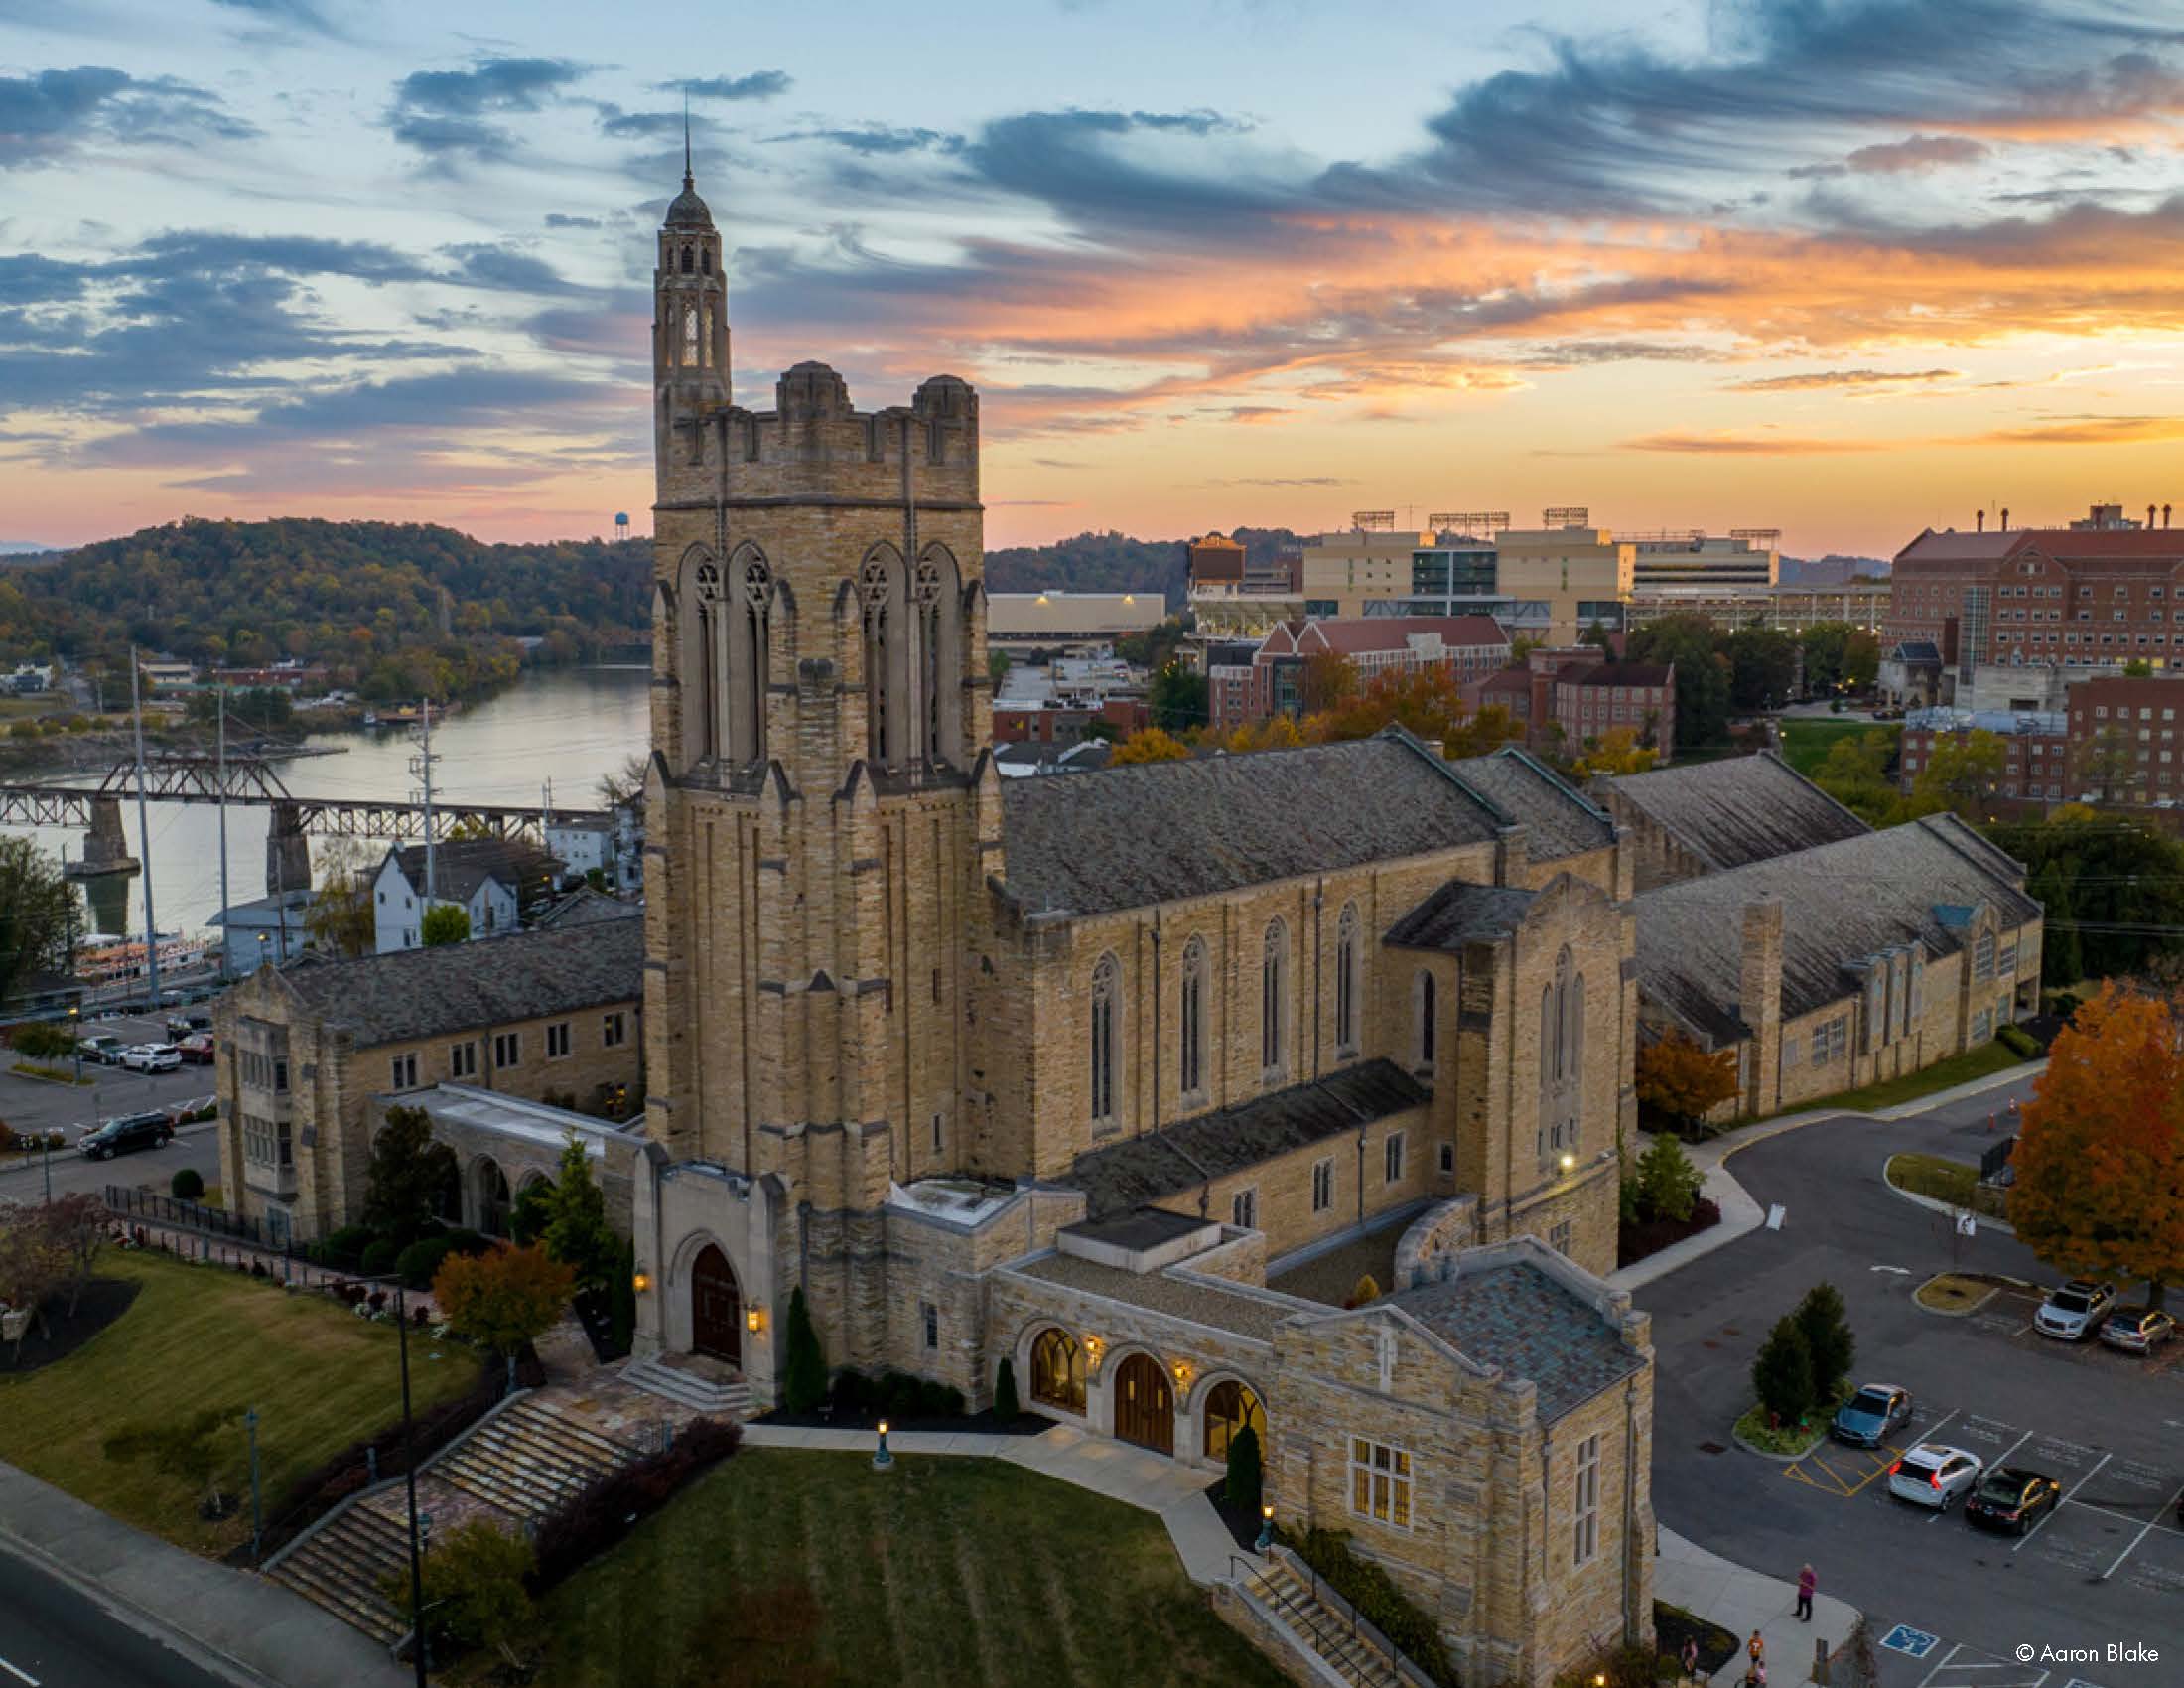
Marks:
<point>1847,269</point>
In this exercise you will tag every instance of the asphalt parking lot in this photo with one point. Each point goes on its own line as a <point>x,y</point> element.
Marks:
<point>28,1105</point>
<point>1952,1603</point>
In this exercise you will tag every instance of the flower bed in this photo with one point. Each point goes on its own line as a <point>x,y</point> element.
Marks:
<point>1635,1241</point>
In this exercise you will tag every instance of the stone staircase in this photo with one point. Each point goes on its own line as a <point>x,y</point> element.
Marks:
<point>1323,1632</point>
<point>528,1460</point>
<point>343,1565</point>
<point>690,1380</point>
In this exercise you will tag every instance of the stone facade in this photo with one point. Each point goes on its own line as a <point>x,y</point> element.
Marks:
<point>940,1052</point>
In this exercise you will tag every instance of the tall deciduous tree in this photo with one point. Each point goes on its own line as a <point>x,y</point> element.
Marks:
<point>2127,884</point>
<point>1617,751</point>
<point>1960,773</point>
<point>504,1297</point>
<point>2099,1160</point>
<point>1702,675</point>
<point>340,916</point>
<point>578,1235</point>
<point>40,915</point>
<point>445,924</point>
<point>1681,1080</point>
<point>1177,698</point>
<point>1150,744</point>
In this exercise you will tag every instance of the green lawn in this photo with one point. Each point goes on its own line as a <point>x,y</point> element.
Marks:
<point>1806,740</point>
<point>199,1336</point>
<point>1952,1182</point>
<point>1982,1063</point>
<point>783,1566</point>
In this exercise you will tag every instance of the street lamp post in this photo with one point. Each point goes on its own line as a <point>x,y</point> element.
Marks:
<point>257,1510</point>
<point>75,1047</point>
<point>409,1479</point>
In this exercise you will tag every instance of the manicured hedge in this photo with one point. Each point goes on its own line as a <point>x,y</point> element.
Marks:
<point>1375,1595</point>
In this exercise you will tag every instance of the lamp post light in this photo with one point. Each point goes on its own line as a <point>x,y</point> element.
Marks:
<point>882,1458</point>
<point>417,1525</point>
<point>257,1510</point>
<point>1266,1528</point>
<point>75,1044</point>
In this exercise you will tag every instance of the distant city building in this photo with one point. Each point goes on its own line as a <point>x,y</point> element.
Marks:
<point>1469,648</point>
<point>483,877</point>
<point>1570,696</point>
<point>266,929</point>
<point>164,674</point>
<point>1060,621</point>
<point>2114,740</point>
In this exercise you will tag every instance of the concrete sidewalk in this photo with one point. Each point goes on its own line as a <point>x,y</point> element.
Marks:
<point>1149,1482</point>
<point>1740,1214</point>
<point>241,1627</point>
<point>1740,1601</point>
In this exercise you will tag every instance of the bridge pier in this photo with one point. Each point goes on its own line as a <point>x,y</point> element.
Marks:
<point>287,851</point>
<point>106,844</point>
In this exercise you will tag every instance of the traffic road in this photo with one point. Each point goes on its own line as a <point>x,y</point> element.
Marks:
<point>2102,1571</point>
<point>53,1636</point>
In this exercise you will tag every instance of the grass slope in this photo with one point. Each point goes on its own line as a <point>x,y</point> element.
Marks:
<point>1982,1063</point>
<point>1805,739</point>
<point>787,1567</point>
<point>198,1336</point>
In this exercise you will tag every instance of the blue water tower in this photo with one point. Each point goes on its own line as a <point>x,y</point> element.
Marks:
<point>622,524</point>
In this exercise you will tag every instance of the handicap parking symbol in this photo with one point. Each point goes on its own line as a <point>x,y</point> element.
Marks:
<point>1905,1639</point>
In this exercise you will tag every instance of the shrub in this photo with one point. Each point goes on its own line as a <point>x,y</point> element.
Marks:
<point>1006,1406</point>
<point>939,1400</point>
<point>1367,1288</point>
<point>1243,1488</point>
<point>596,1518</point>
<point>186,1186</point>
<point>1375,1595</point>
<point>1828,1339</point>
<point>2062,1003</point>
<point>1668,1183</point>
<point>379,1258</point>
<point>418,1262</point>
<point>43,1040</point>
<point>346,1246</point>
<point>466,1243</point>
<point>804,1375</point>
<point>853,1391</point>
<point>2018,1041</point>
<point>476,1590</point>
<point>532,1213</point>
<point>899,1395</point>
<point>1782,1375</point>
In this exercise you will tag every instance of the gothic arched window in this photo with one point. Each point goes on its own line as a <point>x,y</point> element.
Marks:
<point>1562,1059</point>
<point>1106,1011</point>
<point>1422,1013</point>
<point>937,590</point>
<point>702,660</point>
<point>748,652</point>
<point>689,260</point>
<point>1346,972</point>
<point>704,337</point>
<point>690,337</point>
<point>1057,1370</point>
<point>1273,976</point>
<point>705,261</point>
<point>882,587</point>
<point>1192,1066</point>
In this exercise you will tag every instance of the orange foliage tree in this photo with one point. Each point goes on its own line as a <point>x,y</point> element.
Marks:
<point>2099,1160</point>
<point>1150,744</point>
<point>1617,751</point>
<point>504,1298</point>
<point>1275,733</point>
<point>1676,1077</point>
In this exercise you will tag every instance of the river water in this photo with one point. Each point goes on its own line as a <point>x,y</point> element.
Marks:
<point>564,725</point>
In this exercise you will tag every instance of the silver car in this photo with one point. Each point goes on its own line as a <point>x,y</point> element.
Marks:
<point>2074,1312</point>
<point>1934,1475</point>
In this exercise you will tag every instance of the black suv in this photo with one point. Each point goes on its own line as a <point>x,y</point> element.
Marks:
<point>120,1136</point>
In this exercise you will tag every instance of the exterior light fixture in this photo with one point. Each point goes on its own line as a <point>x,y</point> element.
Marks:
<point>882,1458</point>
<point>1266,1528</point>
<point>1569,1161</point>
<point>641,1281</point>
<point>753,1320</point>
<point>1182,1371</point>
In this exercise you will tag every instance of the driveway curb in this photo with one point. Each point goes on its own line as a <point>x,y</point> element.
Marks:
<point>1934,1204</point>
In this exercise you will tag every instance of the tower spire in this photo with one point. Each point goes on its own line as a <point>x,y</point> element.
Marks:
<point>688,181</point>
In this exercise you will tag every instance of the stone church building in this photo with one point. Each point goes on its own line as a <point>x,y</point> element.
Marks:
<point>1088,1074</point>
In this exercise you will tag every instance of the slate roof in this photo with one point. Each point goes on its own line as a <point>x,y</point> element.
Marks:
<point>1738,811</point>
<point>1155,832</point>
<point>1517,1318</point>
<point>1559,820</point>
<point>1189,1153</point>
<point>1841,903</point>
<point>410,994</point>
<point>585,906</point>
<point>1461,912</point>
<point>460,866</point>
<point>1917,650</point>
<point>1620,674</point>
<point>1202,1301</point>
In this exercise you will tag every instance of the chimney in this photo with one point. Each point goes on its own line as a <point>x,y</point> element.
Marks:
<point>1978,521</point>
<point>2149,515</point>
<point>2005,518</point>
<point>1759,1000</point>
<point>2164,516</point>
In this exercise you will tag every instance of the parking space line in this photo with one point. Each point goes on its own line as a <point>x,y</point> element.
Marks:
<point>2002,1459</point>
<point>2059,1505</point>
<point>2141,1535</point>
<point>1954,1648</point>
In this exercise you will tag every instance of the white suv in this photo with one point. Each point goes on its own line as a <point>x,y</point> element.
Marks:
<point>2074,1312</point>
<point>1934,1475</point>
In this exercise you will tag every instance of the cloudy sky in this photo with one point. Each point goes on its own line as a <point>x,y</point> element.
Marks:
<point>1847,267</point>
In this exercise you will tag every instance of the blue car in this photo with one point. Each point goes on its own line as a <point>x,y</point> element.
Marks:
<point>1869,1417</point>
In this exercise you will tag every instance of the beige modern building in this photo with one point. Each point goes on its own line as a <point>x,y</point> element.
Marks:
<point>1564,579</point>
<point>1087,1076</point>
<point>1062,620</point>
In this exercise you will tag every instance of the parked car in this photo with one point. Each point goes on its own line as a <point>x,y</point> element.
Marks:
<point>151,1057</point>
<point>1934,1475</point>
<point>1869,1417</point>
<point>101,1047</point>
<point>2073,1312</point>
<point>123,1135</point>
<point>2012,1498</point>
<point>2137,1330</point>
<point>197,1048</point>
<point>180,1026</point>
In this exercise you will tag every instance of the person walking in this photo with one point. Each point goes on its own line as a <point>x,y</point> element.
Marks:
<point>1807,1581</point>
<point>1688,1658</point>
<point>1758,1648</point>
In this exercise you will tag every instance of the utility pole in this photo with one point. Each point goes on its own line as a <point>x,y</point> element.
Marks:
<point>226,905</point>
<point>144,833</point>
<point>421,765</point>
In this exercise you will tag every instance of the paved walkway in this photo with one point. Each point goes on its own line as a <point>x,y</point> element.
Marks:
<point>1740,1601</point>
<point>1740,1214</point>
<point>1149,1482</point>
<point>240,1627</point>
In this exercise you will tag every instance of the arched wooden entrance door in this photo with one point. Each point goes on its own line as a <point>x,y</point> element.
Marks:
<point>715,1308</point>
<point>1145,1408</point>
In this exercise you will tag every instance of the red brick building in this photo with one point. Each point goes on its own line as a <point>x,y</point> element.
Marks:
<point>1569,696</point>
<point>1469,648</point>
<point>2118,742</point>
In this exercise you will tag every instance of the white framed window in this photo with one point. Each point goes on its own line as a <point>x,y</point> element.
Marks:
<point>406,1073</point>
<point>614,1030</point>
<point>1982,958</point>
<point>1244,1210</point>
<point>1557,1236</point>
<point>1392,1158</point>
<point>557,1039</point>
<point>1380,1482</point>
<point>507,1049</point>
<point>462,1060</point>
<point>1585,1532</point>
<point>1322,1185</point>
